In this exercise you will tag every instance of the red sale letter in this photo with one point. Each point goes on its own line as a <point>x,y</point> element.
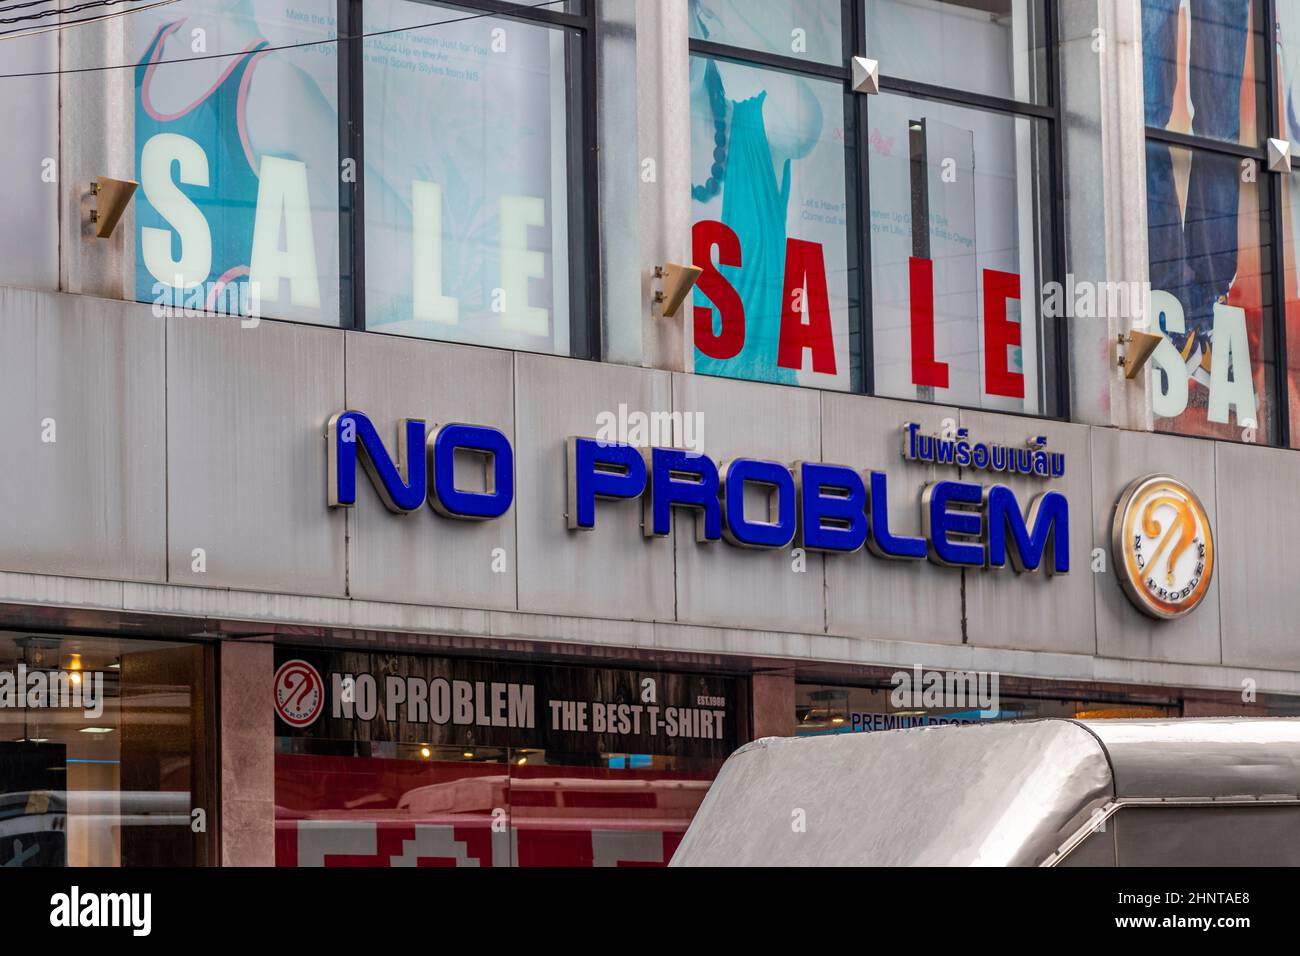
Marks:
<point>805,267</point>
<point>925,369</point>
<point>730,339</point>
<point>1000,334</point>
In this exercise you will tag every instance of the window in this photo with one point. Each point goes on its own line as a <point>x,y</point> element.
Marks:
<point>840,709</point>
<point>236,145</point>
<point>770,207</point>
<point>417,168</point>
<point>29,217</point>
<point>405,760</point>
<point>1220,251</point>
<point>468,149</point>
<point>105,752</point>
<point>990,47</point>
<point>892,244</point>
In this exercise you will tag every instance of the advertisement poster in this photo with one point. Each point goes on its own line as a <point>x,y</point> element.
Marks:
<point>237,158</point>
<point>402,760</point>
<point>770,214</point>
<point>1208,239</point>
<point>466,164</point>
<point>467,167</point>
<point>953,257</point>
<point>394,698</point>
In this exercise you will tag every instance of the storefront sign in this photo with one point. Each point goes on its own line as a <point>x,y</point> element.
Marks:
<point>1163,547</point>
<point>819,507</point>
<point>411,699</point>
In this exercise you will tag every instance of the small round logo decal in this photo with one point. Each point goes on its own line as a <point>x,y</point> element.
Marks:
<point>299,693</point>
<point>1162,546</point>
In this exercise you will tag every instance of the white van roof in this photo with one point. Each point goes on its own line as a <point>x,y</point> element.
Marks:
<point>996,793</point>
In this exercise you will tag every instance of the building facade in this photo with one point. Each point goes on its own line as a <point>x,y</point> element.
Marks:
<point>363,506</point>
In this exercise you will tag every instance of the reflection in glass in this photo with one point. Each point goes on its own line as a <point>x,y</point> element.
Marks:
<point>102,752</point>
<point>835,709</point>
<point>344,803</point>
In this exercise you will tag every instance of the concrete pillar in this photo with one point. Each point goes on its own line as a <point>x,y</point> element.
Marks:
<point>772,704</point>
<point>1123,140</point>
<point>247,721</point>
<point>97,138</point>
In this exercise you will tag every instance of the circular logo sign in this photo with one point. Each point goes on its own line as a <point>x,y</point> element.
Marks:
<point>299,693</point>
<point>1162,546</point>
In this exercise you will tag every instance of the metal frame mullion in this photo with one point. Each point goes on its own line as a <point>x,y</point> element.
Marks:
<point>1188,141</point>
<point>1281,380</point>
<point>352,222</point>
<point>585,331</point>
<point>529,10</point>
<point>1056,163</point>
<point>776,61</point>
<point>853,22</point>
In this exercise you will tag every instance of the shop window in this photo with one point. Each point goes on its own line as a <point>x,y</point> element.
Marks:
<point>394,760</point>
<point>29,212</point>
<point>899,244</point>
<point>809,29</point>
<point>957,211</point>
<point>468,205</point>
<point>1220,258</point>
<point>991,47</point>
<point>436,198</point>
<point>771,218</point>
<point>1209,237</point>
<point>104,753</point>
<point>236,146</point>
<point>971,698</point>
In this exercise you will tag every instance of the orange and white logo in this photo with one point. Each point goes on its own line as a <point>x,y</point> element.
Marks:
<point>1162,546</point>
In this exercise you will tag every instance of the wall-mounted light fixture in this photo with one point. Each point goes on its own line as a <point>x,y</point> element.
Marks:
<point>1135,350</point>
<point>112,197</point>
<point>678,280</point>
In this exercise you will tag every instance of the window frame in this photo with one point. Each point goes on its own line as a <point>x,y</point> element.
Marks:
<point>1056,394</point>
<point>583,195</point>
<point>1276,259</point>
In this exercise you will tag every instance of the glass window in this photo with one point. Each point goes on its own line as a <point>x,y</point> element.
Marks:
<point>29,215</point>
<point>410,760</point>
<point>1202,72</point>
<point>771,226</point>
<point>467,177</point>
<point>236,147</point>
<point>1213,241</point>
<point>958,254</point>
<point>807,29</point>
<point>104,752</point>
<point>836,709</point>
<point>1211,261</point>
<point>993,47</point>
